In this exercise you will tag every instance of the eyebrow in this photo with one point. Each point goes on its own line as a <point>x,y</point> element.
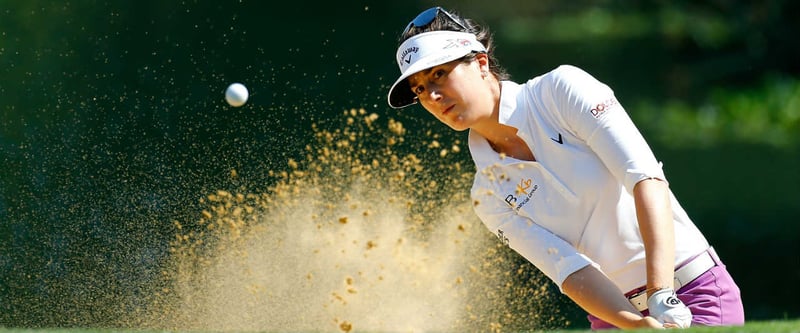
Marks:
<point>424,72</point>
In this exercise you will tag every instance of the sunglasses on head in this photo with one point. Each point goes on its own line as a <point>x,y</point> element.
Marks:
<point>427,16</point>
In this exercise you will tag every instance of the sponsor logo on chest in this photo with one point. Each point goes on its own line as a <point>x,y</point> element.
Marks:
<point>522,194</point>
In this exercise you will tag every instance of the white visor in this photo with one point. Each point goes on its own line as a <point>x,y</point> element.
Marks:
<point>424,51</point>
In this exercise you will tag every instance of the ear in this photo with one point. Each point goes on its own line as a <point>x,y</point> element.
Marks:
<point>483,61</point>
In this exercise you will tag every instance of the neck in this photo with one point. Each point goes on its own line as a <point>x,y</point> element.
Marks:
<point>489,127</point>
<point>501,137</point>
<point>505,141</point>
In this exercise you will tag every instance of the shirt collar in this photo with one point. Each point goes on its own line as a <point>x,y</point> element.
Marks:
<point>482,153</point>
<point>508,100</point>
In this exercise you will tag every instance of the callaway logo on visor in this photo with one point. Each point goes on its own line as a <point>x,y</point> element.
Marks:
<point>406,55</point>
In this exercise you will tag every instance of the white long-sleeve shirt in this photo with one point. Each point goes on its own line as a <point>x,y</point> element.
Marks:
<point>573,206</point>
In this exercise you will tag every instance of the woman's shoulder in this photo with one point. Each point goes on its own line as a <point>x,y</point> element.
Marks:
<point>567,73</point>
<point>561,74</point>
<point>567,79</point>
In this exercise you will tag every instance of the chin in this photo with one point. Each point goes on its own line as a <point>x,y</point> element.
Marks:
<point>458,127</point>
<point>457,123</point>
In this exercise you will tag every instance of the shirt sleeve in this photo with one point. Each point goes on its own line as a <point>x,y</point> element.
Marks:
<point>593,113</point>
<point>552,255</point>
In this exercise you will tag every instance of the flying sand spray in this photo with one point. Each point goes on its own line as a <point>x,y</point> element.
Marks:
<point>356,237</point>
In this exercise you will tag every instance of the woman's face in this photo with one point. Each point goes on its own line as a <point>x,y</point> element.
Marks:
<point>456,93</point>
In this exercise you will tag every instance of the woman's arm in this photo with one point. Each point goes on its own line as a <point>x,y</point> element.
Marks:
<point>654,213</point>
<point>595,293</point>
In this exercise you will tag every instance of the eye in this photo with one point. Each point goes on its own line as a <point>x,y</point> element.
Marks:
<point>439,73</point>
<point>418,89</point>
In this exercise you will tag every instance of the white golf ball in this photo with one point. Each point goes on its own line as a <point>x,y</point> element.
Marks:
<point>236,94</point>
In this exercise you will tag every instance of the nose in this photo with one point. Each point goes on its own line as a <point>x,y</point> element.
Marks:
<point>434,93</point>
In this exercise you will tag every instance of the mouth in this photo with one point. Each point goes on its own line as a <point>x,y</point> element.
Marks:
<point>448,109</point>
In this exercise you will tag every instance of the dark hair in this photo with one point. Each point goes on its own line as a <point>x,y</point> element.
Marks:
<point>442,22</point>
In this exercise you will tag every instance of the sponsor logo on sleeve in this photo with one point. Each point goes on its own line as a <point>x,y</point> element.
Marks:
<point>601,108</point>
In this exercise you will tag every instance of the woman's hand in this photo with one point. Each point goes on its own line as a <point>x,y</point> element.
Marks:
<point>665,306</point>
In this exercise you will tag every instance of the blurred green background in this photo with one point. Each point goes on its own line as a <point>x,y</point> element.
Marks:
<point>113,121</point>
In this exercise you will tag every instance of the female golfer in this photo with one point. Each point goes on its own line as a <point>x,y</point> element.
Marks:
<point>565,179</point>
